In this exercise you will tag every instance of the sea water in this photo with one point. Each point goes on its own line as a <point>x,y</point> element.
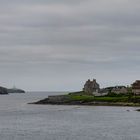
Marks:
<point>22,121</point>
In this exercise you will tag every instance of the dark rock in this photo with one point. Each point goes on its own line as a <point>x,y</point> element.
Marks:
<point>3,90</point>
<point>138,110</point>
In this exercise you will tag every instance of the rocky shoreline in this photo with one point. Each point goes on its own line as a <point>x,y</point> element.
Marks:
<point>89,104</point>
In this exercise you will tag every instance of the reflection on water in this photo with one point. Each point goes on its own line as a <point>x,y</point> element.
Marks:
<point>21,121</point>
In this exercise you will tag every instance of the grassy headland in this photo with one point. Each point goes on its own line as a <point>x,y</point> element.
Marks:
<point>80,98</point>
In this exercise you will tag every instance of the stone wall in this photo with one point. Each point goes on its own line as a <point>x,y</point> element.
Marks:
<point>136,91</point>
<point>58,98</point>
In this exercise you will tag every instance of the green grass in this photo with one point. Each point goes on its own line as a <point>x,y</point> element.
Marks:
<point>87,98</point>
<point>137,97</point>
<point>84,98</point>
<point>111,99</point>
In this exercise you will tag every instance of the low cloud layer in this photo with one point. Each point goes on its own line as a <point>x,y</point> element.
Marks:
<point>57,45</point>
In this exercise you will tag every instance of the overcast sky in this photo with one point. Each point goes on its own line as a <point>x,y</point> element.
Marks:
<point>56,45</point>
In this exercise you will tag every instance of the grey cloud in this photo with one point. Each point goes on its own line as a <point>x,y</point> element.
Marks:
<point>48,41</point>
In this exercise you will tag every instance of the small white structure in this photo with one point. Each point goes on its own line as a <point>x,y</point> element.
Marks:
<point>119,90</point>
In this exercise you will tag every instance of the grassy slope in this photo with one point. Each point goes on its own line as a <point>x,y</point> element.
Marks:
<point>88,98</point>
<point>82,98</point>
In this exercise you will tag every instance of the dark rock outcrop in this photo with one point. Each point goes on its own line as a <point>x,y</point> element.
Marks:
<point>3,90</point>
<point>57,99</point>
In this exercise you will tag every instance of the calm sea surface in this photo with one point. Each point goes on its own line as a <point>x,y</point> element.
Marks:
<point>21,121</point>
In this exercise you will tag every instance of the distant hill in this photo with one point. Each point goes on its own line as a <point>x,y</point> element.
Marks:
<point>15,90</point>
